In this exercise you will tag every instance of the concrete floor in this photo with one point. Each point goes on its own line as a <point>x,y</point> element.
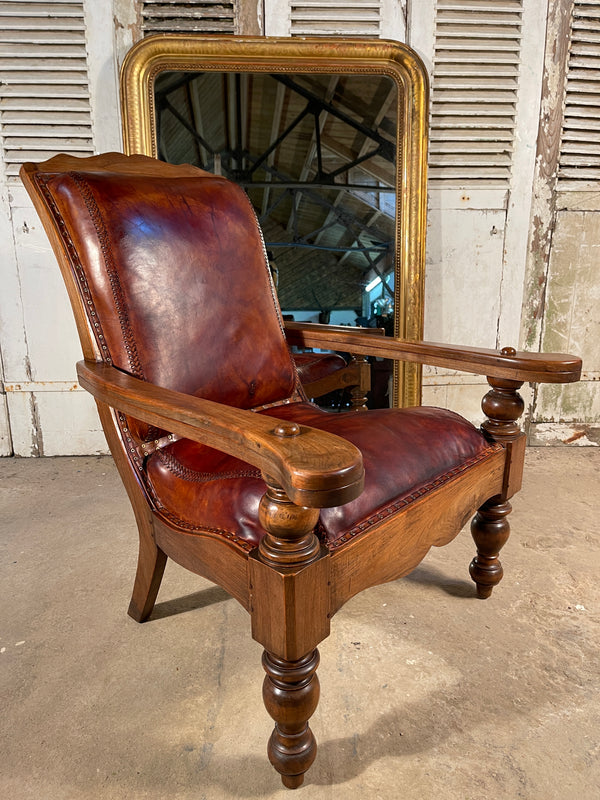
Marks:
<point>427,692</point>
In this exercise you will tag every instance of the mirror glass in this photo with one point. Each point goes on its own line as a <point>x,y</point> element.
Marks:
<point>316,154</point>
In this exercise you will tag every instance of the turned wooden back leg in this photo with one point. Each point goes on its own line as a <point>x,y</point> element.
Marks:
<point>503,406</point>
<point>358,393</point>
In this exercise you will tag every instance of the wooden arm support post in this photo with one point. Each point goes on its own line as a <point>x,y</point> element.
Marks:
<point>359,391</point>
<point>502,405</point>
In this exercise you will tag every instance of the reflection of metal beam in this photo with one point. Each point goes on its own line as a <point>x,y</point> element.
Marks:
<point>233,110</point>
<point>193,121</point>
<point>330,219</point>
<point>342,216</point>
<point>391,96</point>
<point>274,145</point>
<point>187,125</point>
<point>315,144</point>
<point>265,213</point>
<point>197,118</point>
<point>387,147</point>
<point>334,187</point>
<point>275,125</point>
<point>239,144</point>
<point>161,90</point>
<point>358,160</point>
<point>380,274</point>
<point>381,248</point>
<point>370,221</point>
<point>378,172</point>
<point>318,232</point>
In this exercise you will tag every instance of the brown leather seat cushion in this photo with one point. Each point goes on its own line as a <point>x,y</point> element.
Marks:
<point>406,453</point>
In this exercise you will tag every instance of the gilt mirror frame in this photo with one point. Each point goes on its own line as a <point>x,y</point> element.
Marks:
<point>189,53</point>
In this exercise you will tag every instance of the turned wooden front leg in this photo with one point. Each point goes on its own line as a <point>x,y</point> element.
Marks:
<point>490,529</point>
<point>289,606</point>
<point>291,695</point>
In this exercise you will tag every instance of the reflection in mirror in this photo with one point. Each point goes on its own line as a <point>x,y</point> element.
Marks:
<point>316,154</point>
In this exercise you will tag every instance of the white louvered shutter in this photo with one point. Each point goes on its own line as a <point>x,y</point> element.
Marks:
<point>474,91</point>
<point>580,142</point>
<point>189,16</point>
<point>368,18</point>
<point>44,93</point>
<point>335,17</point>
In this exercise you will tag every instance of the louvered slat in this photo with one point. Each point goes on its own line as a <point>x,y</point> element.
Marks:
<point>474,91</point>
<point>44,93</point>
<point>335,17</point>
<point>579,163</point>
<point>190,16</point>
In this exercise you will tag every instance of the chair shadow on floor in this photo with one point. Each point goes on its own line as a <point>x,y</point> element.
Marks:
<point>429,576</point>
<point>189,602</point>
<point>409,729</point>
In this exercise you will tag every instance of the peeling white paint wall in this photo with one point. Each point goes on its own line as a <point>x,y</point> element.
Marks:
<point>42,410</point>
<point>49,414</point>
<point>571,321</point>
<point>562,282</point>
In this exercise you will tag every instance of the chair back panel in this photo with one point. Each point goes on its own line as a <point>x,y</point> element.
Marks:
<point>175,283</point>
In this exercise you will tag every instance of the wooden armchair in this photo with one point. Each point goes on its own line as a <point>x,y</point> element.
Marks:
<point>230,471</point>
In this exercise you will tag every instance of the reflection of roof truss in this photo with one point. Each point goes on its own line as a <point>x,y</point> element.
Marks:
<point>320,167</point>
<point>317,106</point>
<point>364,240</point>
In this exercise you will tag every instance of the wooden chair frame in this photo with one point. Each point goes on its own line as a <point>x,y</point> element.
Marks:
<point>291,584</point>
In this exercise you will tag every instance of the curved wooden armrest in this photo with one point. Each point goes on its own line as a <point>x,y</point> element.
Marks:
<point>315,468</point>
<point>507,364</point>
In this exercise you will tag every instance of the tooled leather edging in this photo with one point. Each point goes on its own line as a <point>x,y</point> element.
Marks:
<point>392,508</point>
<point>174,466</point>
<point>220,533</point>
<point>42,181</point>
<point>113,276</point>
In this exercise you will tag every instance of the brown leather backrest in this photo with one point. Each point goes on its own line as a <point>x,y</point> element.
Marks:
<point>173,276</point>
